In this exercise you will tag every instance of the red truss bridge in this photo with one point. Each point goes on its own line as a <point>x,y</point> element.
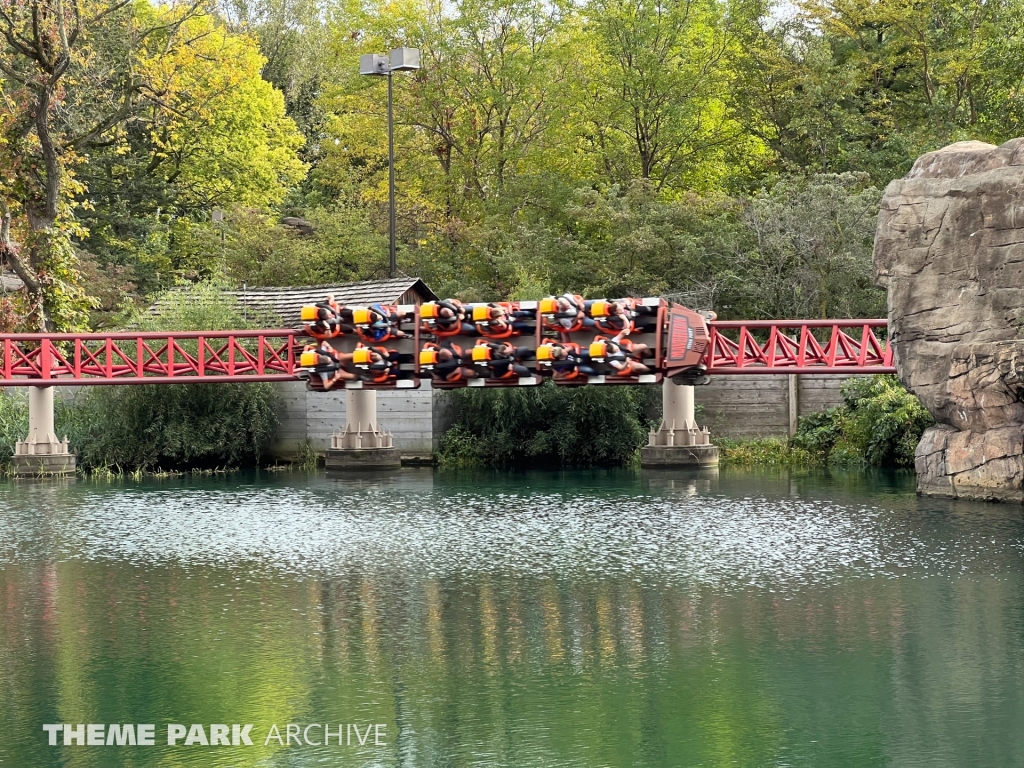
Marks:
<point>664,340</point>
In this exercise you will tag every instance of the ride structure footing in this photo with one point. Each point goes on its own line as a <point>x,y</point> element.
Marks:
<point>362,445</point>
<point>678,441</point>
<point>41,453</point>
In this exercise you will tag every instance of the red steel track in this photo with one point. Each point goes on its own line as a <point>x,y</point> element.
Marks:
<point>147,358</point>
<point>798,346</point>
<point>734,347</point>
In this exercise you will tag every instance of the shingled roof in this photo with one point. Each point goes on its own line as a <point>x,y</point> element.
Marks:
<point>287,302</point>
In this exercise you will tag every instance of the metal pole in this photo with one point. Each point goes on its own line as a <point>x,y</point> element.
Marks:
<point>393,266</point>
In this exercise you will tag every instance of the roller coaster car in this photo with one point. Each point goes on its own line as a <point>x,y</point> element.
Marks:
<point>686,345</point>
<point>562,313</point>
<point>432,322</point>
<point>498,320</point>
<point>322,320</point>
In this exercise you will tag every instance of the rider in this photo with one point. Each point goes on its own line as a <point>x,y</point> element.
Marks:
<point>382,364</point>
<point>331,366</point>
<point>451,364</point>
<point>503,322</point>
<point>383,325</point>
<point>618,318</point>
<point>331,319</point>
<point>451,318</point>
<point>623,355</point>
<point>568,362</point>
<point>504,359</point>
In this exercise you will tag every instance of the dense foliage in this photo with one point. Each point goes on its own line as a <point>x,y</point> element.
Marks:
<point>546,426</point>
<point>729,152</point>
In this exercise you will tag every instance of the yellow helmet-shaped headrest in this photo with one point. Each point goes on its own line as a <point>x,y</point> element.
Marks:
<point>361,357</point>
<point>481,353</point>
<point>599,309</point>
<point>361,316</point>
<point>428,357</point>
<point>310,313</point>
<point>544,356</point>
<point>428,310</point>
<point>597,349</point>
<point>548,306</point>
<point>309,359</point>
<point>481,313</point>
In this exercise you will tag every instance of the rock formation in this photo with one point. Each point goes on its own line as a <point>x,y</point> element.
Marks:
<point>950,249</point>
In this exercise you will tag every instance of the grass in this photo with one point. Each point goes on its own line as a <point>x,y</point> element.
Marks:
<point>764,452</point>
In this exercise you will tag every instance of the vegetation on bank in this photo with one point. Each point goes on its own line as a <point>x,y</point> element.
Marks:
<point>547,426</point>
<point>879,425</point>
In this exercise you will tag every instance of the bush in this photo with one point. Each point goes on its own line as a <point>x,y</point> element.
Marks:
<point>181,425</point>
<point>547,426</point>
<point>879,425</point>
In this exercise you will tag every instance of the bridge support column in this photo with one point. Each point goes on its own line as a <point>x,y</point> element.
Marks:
<point>678,442</point>
<point>41,453</point>
<point>362,444</point>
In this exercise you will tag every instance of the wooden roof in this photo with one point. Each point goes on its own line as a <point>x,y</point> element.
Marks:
<point>286,302</point>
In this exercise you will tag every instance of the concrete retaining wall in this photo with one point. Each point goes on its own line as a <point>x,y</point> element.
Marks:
<point>733,406</point>
<point>763,406</point>
<point>315,416</point>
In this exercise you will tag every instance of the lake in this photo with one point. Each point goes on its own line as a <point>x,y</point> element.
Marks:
<point>586,618</point>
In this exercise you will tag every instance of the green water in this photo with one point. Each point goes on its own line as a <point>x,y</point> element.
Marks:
<point>571,619</point>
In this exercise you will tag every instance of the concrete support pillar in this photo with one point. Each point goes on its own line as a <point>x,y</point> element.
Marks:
<point>362,444</point>
<point>678,441</point>
<point>41,453</point>
<point>794,403</point>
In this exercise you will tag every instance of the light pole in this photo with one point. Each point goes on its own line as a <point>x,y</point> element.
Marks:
<point>380,65</point>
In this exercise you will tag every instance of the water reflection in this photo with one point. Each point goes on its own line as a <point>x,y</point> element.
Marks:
<point>569,619</point>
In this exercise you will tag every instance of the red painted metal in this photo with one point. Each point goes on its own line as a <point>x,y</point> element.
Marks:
<point>798,346</point>
<point>734,347</point>
<point>31,359</point>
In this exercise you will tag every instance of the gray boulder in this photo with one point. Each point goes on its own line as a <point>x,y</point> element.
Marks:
<point>950,250</point>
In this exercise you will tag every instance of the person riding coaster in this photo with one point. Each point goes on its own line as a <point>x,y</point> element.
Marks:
<point>327,363</point>
<point>326,319</point>
<point>446,362</point>
<point>565,360</point>
<point>564,313</point>
<point>376,364</point>
<point>612,316</point>
<point>378,323</point>
<point>499,320</point>
<point>620,353</point>
<point>499,360</point>
<point>445,318</point>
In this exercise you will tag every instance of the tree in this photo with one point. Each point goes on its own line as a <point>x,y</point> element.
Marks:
<point>60,95</point>
<point>217,137</point>
<point>657,91</point>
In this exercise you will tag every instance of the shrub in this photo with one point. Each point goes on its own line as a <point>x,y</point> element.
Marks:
<point>880,424</point>
<point>180,425</point>
<point>547,426</point>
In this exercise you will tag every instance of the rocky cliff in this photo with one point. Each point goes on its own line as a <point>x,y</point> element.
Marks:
<point>950,249</point>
